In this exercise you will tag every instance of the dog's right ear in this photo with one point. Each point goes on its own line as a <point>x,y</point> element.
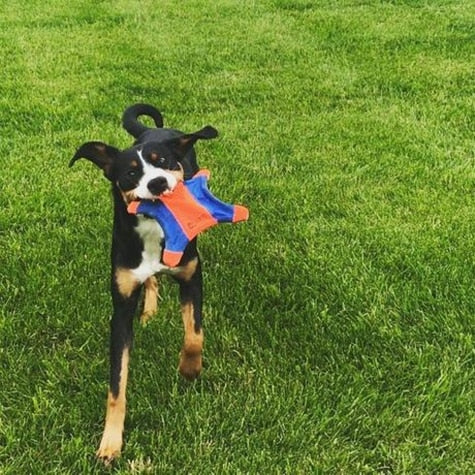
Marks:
<point>99,153</point>
<point>183,144</point>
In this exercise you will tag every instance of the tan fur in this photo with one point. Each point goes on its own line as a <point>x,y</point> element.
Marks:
<point>111,443</point>
<point>187,271</point>
<point>190,356</point>
<point>178,174</point>
<point>126,281</point>
<point>150,299</point>
<point>128,196</point>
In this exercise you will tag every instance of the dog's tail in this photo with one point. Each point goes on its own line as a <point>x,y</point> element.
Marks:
<point>133,126</point>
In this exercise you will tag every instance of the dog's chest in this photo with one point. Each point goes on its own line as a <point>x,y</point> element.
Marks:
<point>152,236</point>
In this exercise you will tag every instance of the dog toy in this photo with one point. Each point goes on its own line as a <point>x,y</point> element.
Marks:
<point>185,212</point>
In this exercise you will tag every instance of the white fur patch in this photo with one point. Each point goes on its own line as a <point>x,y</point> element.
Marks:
<point>152,235</point>
<point>149,173</point>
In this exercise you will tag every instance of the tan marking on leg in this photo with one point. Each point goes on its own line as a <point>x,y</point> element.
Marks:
<point>190,356</point>
<point>150,299</point>
<point>111,443</point>
<point>126,281</point>
<point>188,270</point>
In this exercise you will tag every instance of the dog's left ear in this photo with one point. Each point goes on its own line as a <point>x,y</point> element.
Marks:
<point>99,153</point>
<point>184,143</point>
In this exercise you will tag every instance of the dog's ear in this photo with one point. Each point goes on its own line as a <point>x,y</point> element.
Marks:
<point>99,153</point>
<point>182,144</point>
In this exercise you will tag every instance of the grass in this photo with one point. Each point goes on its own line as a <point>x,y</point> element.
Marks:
<point>339,320</point>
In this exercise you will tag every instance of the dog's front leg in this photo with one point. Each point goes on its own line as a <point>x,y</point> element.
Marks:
<point>191,300</point>
<point>125,293</point>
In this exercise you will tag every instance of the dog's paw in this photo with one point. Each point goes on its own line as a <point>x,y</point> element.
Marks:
<point>190,365</point>
<point>146,317</point>
<point>110,447</point>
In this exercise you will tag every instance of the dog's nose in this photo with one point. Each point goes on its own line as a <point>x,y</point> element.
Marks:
<point>158,185</point>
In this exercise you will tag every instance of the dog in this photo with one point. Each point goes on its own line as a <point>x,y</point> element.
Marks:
<point>159,158</point>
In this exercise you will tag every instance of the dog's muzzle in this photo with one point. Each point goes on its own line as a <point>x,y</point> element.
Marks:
<point>158,185</point>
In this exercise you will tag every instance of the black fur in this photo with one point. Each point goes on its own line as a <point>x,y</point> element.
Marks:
<point>160,148</point>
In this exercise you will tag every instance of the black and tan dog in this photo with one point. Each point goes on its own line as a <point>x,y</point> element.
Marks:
<point>159,158</point>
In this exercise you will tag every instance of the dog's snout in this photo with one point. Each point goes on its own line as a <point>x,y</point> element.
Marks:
<point>158,185</point>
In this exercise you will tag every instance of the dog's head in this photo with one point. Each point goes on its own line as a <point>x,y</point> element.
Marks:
<point>147,170</point>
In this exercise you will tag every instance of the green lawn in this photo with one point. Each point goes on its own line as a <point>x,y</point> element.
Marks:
<point>339,319</point>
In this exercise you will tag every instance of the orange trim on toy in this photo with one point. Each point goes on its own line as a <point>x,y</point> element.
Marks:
<point>190,215</point>
<point>240,213</point>
<point>171,258</point>
<point>203,172</point>
<point>132,208</point>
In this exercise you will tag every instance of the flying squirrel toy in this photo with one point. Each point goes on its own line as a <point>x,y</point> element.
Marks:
<point>189,209</point>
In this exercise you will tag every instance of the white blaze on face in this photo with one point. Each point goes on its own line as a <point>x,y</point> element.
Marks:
<point>150,173</point>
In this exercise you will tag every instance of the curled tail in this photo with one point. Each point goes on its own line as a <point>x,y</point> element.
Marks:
<point>133,126</point>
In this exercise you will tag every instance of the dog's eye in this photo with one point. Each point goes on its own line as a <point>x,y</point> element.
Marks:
<point>161,160</point>
<point>132,173</point>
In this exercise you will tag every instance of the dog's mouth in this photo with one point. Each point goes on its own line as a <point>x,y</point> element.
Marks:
<point>154,188</point>
<point>152,195</point>
<point>129,196</point>
<point>159,186</point>
<point>164,185</point>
